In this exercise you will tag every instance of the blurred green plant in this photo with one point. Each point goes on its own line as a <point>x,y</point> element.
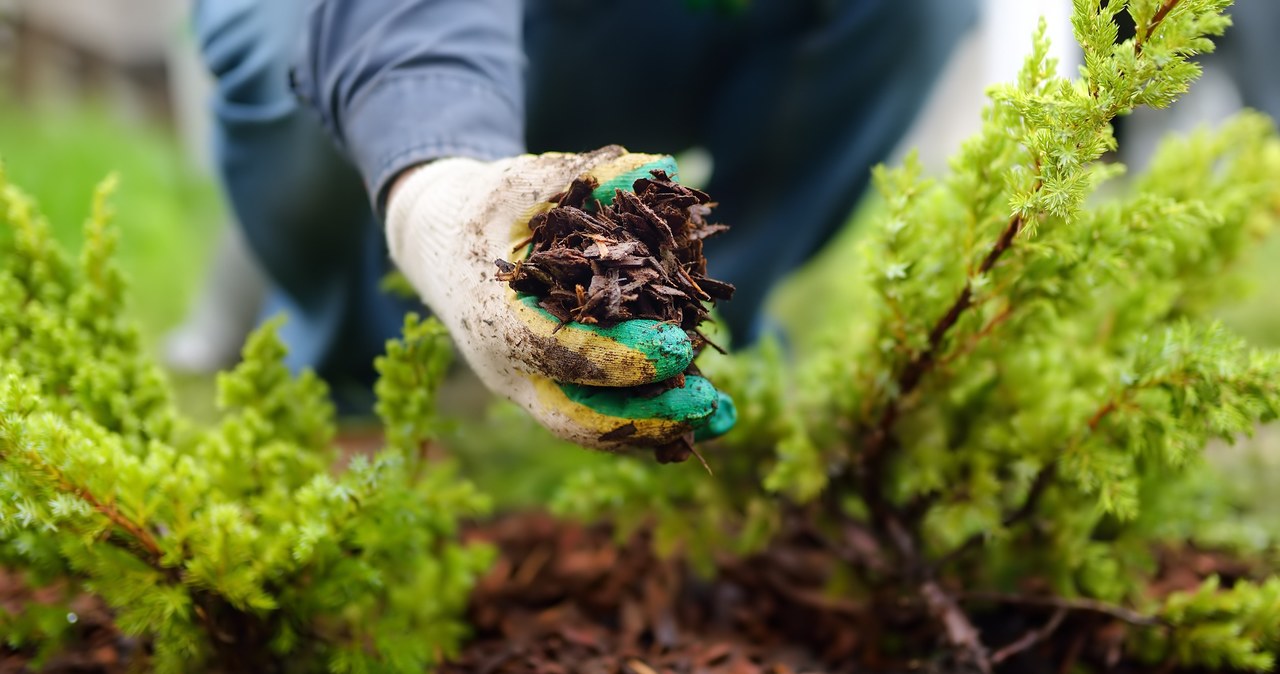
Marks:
<point>168,211</point>
<point>1018,381</point>
<point>233,546</point>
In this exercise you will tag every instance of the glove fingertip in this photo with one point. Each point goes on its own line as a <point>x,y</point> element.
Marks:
<point>631,353</point>
<point>721,420</point>
<point>665,346</point>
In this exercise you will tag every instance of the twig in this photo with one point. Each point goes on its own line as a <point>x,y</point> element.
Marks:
<point>1102,414</point>
<point>985,331</point>
<point>139,534</point>
<point>870,474</point>
<point>961,633</point>
<point>1156,20</point>
<point>923,362</point>
<point>1031,638</point>
<point>708,342</point>
<point>1083,605</point>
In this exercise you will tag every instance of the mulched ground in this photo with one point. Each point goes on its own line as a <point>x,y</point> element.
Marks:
<point>569,599</point>
<point>565,598</point>
<point>97,648</point>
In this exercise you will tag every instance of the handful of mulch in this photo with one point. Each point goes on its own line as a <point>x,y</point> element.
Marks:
<point>639,257</point>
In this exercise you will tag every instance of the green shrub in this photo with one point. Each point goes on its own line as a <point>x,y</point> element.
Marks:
<point>234,546</point>
<point>165,205</point>
<point>1026,380</point>
<point>1018,382</point>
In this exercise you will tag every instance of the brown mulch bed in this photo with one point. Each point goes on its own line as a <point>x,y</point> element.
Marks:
<point>97,646</point>
<point>564,598</point>
<point>567,599</point>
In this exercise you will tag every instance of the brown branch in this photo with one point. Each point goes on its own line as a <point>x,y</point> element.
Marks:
<point>140,535</point>
<point>1102,413</point>
<point>873,457</point>
<point>1156,20</point>
<point>972,343</point>
<point>923,362</point>
<point>1078,605</point>
<point>886,519</point>
<point>1031,638</point>
<point>135,530</point>
<point>961,633</point>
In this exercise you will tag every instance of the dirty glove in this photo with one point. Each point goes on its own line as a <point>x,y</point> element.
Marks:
<point>449,220</point>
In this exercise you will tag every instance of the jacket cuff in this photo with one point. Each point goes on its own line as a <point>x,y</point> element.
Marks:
<point>412,118</point>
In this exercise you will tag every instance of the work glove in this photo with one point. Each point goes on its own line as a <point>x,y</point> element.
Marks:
<point>449,220</point>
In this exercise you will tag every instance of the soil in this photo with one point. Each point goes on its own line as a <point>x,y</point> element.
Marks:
<point>96,647</point>
<point>565,598</point>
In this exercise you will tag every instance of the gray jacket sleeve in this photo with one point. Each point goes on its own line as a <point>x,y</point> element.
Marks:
<point>400,82</point>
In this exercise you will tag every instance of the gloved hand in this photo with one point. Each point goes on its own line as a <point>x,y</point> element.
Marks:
<point>447,222</point>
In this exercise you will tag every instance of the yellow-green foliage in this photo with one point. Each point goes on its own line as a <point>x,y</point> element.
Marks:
<point>238,544</point>
<point>1029,381</point>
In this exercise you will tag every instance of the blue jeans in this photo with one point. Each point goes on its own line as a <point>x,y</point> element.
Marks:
<point>795,101</point>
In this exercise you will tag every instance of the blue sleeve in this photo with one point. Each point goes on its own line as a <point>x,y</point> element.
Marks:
<point>401,82</point>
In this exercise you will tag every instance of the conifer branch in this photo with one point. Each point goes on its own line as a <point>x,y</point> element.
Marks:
<point>874,441</point>
<point>1111,406</point>
<point>1043,480</point>
<point>874,445</point>
<point>153,553</point>
<point>139,534</point>
<point>1140,40</point>
<point>888,519</point>
<point>874,455</point>
<point>972,343</point>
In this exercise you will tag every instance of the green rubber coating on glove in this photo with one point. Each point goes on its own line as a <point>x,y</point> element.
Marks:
<point>695,401</point>
<point>624,181</point>
<point>720,421</point>
<point>664,345</point>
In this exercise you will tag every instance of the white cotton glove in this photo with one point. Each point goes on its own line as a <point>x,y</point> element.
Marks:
<point>448,221</point>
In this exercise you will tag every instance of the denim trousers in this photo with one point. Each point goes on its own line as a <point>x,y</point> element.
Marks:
<point>794,100</point>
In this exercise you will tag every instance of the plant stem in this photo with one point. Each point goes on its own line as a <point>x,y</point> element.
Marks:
<point>961,633</point>
<point>1031,638</point>
<point>914,371</point>
<point>140,535</point>
<point>1141,39</point>
<point>1079,605</point>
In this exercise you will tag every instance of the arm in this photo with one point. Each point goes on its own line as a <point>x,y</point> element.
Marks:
<point>402,82</point>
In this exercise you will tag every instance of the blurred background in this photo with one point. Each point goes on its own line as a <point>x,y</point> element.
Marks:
<point>93,87</point>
